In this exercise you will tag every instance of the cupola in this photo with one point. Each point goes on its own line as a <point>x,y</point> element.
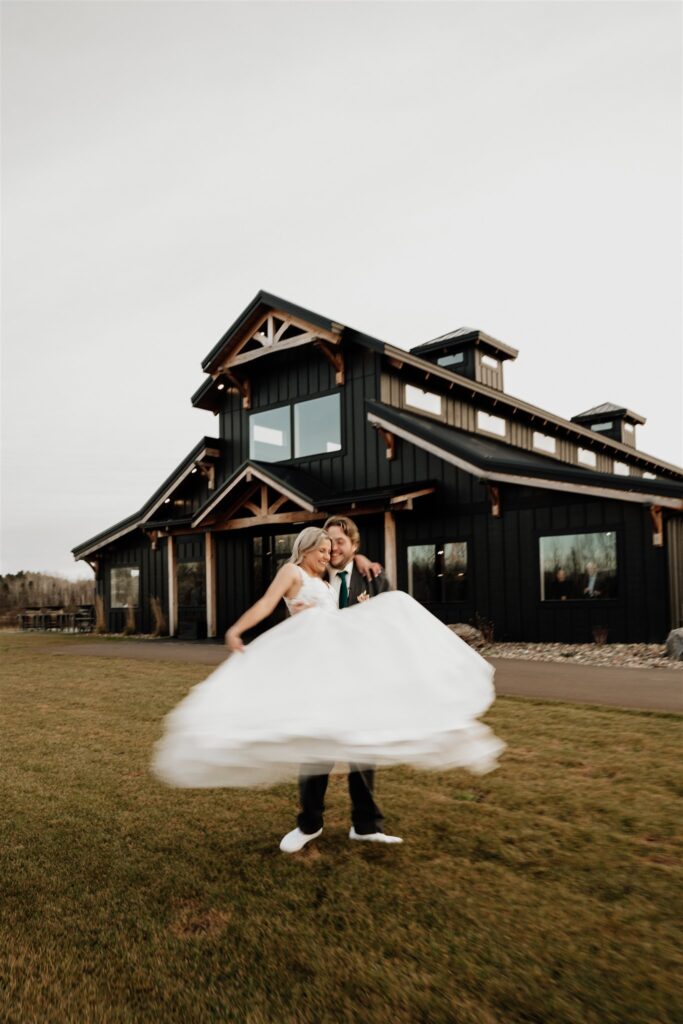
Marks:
<point>471,353</point>
<point>612,421</point>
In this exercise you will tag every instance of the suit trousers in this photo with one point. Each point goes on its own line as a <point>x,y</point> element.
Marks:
<point>365,814</point>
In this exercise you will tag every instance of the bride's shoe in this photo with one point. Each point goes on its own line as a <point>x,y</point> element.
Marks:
<point>374,837</point>
<point>296,840</point>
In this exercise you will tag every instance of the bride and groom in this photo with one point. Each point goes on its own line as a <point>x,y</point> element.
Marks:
<point>385,683</point>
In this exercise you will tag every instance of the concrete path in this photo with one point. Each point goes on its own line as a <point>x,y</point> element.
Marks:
<point>648,689</point>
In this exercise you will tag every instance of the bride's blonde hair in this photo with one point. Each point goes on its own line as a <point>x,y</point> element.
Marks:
<point>308,539</point>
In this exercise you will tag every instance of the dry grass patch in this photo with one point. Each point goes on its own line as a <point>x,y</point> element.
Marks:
<point>548,891</point>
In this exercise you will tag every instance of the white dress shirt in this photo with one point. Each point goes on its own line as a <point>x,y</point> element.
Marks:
<point>335,582</point>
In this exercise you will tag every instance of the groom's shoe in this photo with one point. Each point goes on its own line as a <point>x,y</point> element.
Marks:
<point>296,840</point>
<point>374,837</point>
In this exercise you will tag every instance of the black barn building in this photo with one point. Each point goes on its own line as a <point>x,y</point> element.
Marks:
<point>479,504</point>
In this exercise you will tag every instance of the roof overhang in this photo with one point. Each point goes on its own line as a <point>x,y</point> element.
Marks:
<point>420,439</point>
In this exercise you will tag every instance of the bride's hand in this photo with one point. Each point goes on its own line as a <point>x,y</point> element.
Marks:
<point>363,597</point>
<point>234,641</point>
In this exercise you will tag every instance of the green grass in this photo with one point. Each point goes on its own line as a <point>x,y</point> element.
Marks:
<point>545,892</point>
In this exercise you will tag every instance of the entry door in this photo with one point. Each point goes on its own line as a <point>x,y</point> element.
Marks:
<point>191,581</point>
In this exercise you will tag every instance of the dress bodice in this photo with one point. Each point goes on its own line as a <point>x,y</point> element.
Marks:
<point>316,592</point>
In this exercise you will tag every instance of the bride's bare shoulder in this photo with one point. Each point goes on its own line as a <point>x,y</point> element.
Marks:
<point>289,575</point>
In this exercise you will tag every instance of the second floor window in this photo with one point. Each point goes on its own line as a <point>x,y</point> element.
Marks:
<point>294,431</point>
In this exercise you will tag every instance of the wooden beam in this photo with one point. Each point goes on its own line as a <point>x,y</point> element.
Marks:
<point>210,558</point>
<point>283,499</point>
<point>172,586</point>
<point>282,518</point>
<point>390,562</point>
<point>494,498</point>
<point>390,442</point>
<point>411,494</point>
<point>243,386</point>
<point>657,526</point>
<point>208,470</point>
<point>335,358</point>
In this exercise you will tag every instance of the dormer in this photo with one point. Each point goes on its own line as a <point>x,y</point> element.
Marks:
<point>612,421</point>
<point>470,353</point>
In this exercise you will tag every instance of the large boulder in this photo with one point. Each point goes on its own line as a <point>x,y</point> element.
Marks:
<point>469,634</point>
<point>674,644</point>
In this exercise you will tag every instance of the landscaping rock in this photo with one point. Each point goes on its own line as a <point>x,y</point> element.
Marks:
<point>674,644</point>
<point>469,634</point>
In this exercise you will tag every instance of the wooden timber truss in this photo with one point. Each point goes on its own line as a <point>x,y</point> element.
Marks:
<point>277,332</point>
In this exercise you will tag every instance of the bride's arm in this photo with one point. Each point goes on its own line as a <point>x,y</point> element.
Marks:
<point>286,577</point>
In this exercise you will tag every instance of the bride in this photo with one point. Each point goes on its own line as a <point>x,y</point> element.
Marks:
<point>384,683</point>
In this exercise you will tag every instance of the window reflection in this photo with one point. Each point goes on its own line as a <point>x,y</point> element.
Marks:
<point>579,566</point>
<point>270,435</point>
<point>124,587</point>
<point>437,573</point>
<point>317,426</point>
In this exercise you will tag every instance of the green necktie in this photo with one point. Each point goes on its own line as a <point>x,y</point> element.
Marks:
<point>343,590</point>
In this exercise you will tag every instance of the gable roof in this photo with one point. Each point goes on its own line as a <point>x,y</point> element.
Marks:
<point>207,447</point>
<point>205,396</point>
<point>262,303</point>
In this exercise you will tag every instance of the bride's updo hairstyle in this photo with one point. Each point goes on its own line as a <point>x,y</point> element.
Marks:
<point>308,540</point>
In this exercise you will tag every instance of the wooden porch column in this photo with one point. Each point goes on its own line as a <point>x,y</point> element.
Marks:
<point>210,555</point>
<point>390,563</point>
<point>172,586</point>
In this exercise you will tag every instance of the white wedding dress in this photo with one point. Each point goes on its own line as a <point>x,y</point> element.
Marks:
<point>381,683</point>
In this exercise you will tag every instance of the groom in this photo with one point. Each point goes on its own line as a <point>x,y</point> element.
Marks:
<point>350,587</point>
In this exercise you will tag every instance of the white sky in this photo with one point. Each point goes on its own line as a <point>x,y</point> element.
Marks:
<point>404,168</point>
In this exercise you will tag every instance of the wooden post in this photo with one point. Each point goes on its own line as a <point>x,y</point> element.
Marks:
<point>172,586</point>
<point>210,556</point>
<point>390,548</point>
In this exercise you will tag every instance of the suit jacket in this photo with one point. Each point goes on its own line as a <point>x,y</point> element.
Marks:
<point>358,585</point>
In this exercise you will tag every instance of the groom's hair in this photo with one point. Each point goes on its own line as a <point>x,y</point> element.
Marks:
<point>347,525</point>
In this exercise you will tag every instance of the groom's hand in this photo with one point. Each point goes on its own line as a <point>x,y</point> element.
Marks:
<point>298,606</point>
<point>368,570</point>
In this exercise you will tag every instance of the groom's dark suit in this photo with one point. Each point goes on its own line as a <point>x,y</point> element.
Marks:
<point>365,814</point>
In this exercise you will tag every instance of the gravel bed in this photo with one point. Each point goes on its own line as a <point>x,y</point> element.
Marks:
<point>627,655</point>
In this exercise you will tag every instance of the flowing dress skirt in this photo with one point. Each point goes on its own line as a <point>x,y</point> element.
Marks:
<point>381,683</point>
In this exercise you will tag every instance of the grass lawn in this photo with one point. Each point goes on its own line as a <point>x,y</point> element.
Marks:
<point>544,892</point>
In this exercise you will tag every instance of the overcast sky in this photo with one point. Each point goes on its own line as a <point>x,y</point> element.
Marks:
<point>403,168</point>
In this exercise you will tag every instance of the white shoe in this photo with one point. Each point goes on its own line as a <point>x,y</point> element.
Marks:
<point>296,840</point>
<point>374,837</point>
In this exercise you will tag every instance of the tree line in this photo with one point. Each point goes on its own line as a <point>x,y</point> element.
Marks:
<point>22,590</point>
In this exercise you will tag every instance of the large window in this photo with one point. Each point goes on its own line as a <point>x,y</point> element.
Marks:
<point>125,587</point>
<point>270,435</point>
<point>437,573</point>
<point>317,426</point>
<point>578,566</point>
<point>305,428</point>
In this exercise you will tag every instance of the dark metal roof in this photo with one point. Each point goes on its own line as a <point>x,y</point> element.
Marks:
<point>461,338</point>
<point>492,457</point>
<point>137,518</point>
<point>608,409</point>
<point>259,305</point>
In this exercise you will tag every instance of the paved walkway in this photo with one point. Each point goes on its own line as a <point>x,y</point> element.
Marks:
<point>648,689</point>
